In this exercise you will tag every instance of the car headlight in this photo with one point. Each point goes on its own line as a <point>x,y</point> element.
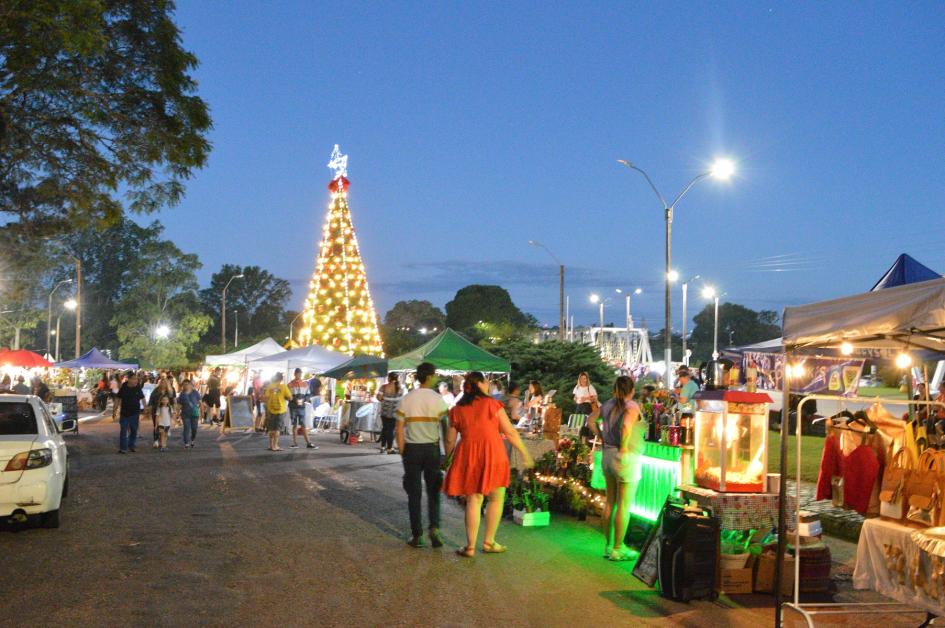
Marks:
<point>32,459</point>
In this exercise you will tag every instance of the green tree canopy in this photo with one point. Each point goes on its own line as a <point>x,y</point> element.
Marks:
<point>557,366</point>
<point>162,293</point>
<point>486,314</point>
<point>401,331</point>
<point>96,98</point>
<point>258,299</point>
<point>738,325</point>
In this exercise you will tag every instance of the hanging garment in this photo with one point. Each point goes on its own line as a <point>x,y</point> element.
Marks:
<point>831,465</point>
<point>860,471</point>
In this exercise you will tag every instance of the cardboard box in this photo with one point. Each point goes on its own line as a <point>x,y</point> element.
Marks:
<point>764,574</point>
<point>736,581</point>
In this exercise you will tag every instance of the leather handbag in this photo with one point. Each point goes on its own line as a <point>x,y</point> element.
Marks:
<point>893,494</point>
<point>924,487</point>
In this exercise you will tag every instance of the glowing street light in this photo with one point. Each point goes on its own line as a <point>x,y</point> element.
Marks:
<point>673,276</point>
<point>722,169</point>
<point>598,300</point>
<point>162,331</point>
<point>71,305</point>
<point>49,312</point>
<point>846,348</point>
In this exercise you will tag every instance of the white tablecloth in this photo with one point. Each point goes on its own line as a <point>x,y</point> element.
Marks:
<point>871,572</point>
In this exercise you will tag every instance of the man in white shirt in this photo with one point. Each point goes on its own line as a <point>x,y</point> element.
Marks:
<point>447,395</point>
<point>421,423</point>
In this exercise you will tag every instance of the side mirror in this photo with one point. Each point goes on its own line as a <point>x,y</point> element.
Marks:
<point>67,425</point>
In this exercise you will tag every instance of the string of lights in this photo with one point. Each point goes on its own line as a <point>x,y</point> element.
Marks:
<point>339,313</point>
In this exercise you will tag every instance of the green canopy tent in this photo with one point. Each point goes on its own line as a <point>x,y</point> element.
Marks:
<point>359,367</point>
<point>450,353</point>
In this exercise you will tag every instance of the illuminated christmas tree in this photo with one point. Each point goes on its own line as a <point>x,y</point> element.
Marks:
<point>339,314</point>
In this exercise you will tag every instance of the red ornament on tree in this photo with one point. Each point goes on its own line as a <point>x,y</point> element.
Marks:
<point>340,182</point>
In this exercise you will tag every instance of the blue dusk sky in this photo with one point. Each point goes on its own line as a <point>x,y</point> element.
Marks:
<point>472,127</point>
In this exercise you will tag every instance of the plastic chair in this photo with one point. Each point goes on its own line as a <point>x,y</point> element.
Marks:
<point>327,417</point>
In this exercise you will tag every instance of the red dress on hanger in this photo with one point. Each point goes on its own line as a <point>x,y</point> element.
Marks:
<point>831,465</point>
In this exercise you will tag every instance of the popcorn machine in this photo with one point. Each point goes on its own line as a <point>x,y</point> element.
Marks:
<point>731,441</point>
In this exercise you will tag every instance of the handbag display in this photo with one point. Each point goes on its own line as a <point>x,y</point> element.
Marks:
<point>893,494</point>
<point>836,491</point>
<point>924,487</point>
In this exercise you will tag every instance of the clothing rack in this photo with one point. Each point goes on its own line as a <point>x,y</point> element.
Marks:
<point>809,611</point>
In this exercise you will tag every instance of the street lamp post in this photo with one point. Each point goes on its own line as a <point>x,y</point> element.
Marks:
<point>685,290</point>
<point>636,291</point>
<point>560,286</point>
<point>722,169</point>
<point>49,314</point>
<point>223,311</point>
<point>710,293</point>
<point>71,305</point>
<point>596,299</point>
<point>236,329</point>
<point>292,325</point>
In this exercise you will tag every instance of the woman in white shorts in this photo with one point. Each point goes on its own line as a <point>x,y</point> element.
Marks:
<point>622,432</point>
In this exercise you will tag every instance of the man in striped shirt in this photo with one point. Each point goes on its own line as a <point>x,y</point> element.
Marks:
<point>421,421</point>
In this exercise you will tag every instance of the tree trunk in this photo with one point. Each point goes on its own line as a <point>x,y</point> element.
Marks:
<point>16,338</point>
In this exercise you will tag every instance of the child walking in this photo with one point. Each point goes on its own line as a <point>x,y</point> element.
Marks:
<point>163,421</point>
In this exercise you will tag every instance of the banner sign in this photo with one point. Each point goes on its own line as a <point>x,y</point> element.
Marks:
<point>822,376</point>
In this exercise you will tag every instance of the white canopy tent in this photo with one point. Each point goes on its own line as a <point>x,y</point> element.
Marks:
<point>314,358</point>
<point>261,349</point>
<point>910,317</point>
<point>907,316</point>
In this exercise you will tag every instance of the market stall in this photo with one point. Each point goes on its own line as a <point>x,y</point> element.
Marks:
<point>92,359</point>
<point>314,359</point>
<point>451,354</point>
<point>360,413</point>
<point>907,318</point>
<point>262,349</point>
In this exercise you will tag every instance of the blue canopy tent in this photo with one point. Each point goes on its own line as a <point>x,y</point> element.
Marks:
<point>905,270</point>
<point>94,359</point>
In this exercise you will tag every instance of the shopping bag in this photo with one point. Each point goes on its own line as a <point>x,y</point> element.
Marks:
<point>836,491</point>
<point>893,496</point>
<point>924,488</point>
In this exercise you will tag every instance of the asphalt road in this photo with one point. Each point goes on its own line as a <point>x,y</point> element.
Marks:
<point>229,533</point>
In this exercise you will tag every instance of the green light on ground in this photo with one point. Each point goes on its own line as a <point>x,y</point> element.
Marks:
<point>659,477</point>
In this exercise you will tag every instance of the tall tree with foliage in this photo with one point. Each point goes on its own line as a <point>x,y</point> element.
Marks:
<point>738,325</point>
<point>557,366</point>
<point>257,300</point>
<point>162,291</point>
<point>96,98</point>
<point>409,324</point>
<point>484,312</point>
<point>27,274</point>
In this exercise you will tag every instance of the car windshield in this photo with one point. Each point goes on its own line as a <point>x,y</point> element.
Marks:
<point>17,418</point>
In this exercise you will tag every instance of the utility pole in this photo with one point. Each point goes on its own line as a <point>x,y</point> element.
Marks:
<point>78,307</point>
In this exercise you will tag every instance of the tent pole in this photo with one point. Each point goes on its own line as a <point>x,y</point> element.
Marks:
<point>782,485</point>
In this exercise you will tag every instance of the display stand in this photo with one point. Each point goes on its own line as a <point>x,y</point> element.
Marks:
<point>660,474</point>
<point>871,528</point>
<point>741,511</point>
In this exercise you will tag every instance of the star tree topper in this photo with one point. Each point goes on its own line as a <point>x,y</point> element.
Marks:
<point>338,163</point>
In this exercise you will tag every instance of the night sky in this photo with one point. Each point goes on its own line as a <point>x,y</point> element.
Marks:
<point>473,127</point>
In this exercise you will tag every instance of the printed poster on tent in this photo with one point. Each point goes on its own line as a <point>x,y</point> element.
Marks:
<point>821,375</point>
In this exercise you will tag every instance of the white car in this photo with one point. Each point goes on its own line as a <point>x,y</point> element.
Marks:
<point>34,462</point>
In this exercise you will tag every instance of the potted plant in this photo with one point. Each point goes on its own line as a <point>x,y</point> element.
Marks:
<point>530,504</point>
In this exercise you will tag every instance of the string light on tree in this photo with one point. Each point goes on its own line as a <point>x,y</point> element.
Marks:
<point>339,313</point>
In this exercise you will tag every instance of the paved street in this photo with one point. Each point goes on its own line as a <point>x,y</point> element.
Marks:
<point>229,533</point>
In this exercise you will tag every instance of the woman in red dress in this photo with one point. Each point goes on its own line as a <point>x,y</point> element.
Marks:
<point>480,465</point>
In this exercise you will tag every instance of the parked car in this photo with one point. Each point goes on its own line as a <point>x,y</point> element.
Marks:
<point>34,461</point>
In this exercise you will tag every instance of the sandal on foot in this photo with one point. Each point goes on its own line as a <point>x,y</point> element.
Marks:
<point>620,555</point>
<point>466,552</point>
<point>493,548</point>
